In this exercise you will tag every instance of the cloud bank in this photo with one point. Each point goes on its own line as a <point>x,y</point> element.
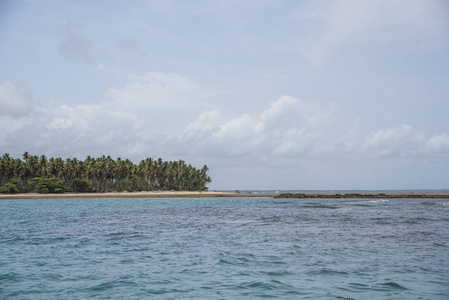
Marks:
<point>289,128</point>
<point>15,101</point>
<point>288,134</point>
<point>296,129</point>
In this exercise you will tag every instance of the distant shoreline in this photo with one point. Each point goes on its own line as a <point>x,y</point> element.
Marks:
<point>362,195</point>
<point>187,194</point>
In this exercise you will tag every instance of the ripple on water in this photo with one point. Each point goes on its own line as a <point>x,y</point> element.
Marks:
<point>327,272</point>
<point>223,249</point>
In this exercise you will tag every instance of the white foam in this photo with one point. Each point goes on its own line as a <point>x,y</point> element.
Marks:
<point>380,200</point>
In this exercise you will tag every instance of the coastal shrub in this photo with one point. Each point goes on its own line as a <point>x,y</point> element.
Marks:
<point>48,185</point>
<point>10,187</point>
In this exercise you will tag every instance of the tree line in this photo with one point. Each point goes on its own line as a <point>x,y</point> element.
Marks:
<point>102,174</point>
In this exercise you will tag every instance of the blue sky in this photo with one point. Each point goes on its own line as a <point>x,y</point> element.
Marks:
<point>269,94</point>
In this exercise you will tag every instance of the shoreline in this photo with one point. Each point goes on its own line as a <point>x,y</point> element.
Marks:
<point>152,194</point>
<point>205,194</point>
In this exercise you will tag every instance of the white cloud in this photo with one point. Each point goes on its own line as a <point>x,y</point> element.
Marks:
<point>112,70</point>
<point>154,90</point>
<point>242,128</point>
<point>438,143</point>
<point>296,129</point>
<point>289,127</point>
<point>295,142</point>
<point>394,141</point>
<point>75,131</point>
<point>207,120</point>
<point>15,101</point>
<point>294,112</point>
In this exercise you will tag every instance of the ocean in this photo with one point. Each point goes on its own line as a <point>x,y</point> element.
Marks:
<point>224,248</point>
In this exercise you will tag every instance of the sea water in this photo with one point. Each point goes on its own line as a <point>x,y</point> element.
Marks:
<point>224,248</point>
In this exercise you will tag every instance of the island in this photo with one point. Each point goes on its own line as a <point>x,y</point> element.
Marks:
<point>42,175</point>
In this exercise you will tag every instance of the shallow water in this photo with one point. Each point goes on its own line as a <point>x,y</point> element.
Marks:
<point>224,248</point>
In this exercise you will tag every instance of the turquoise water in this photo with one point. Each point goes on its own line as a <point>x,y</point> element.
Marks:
<point>224,248</point>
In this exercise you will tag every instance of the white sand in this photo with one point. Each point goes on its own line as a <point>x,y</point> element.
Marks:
<point>155,194</point>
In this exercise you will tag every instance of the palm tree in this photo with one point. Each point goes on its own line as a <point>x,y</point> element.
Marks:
<point>25,156</point>
<point>105,173</point>
<point>42,166</point>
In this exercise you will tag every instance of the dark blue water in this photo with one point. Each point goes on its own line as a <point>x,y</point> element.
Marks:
<point>224,248</point>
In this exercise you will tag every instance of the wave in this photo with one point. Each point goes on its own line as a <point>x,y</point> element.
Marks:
<point>320,205</point>
<point>327,272</point>
<point>440,244</point>
<point>392,286</point>
<point>357,287</point>
<point>242,260</point>
<point>432,203</point>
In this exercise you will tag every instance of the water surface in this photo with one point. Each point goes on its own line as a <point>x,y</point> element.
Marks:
<point>224,248</point>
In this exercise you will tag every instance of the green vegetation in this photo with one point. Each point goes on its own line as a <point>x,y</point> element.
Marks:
<point>103,174</point>
<point>48,185</point>
<point>10,187</point>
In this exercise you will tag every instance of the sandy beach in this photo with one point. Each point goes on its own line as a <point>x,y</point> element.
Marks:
<point>155,194</point>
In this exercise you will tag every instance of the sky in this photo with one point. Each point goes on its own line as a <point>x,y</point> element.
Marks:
<point>269,94</point>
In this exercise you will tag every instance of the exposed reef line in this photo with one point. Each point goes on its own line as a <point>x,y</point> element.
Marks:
<point>363,196</point>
